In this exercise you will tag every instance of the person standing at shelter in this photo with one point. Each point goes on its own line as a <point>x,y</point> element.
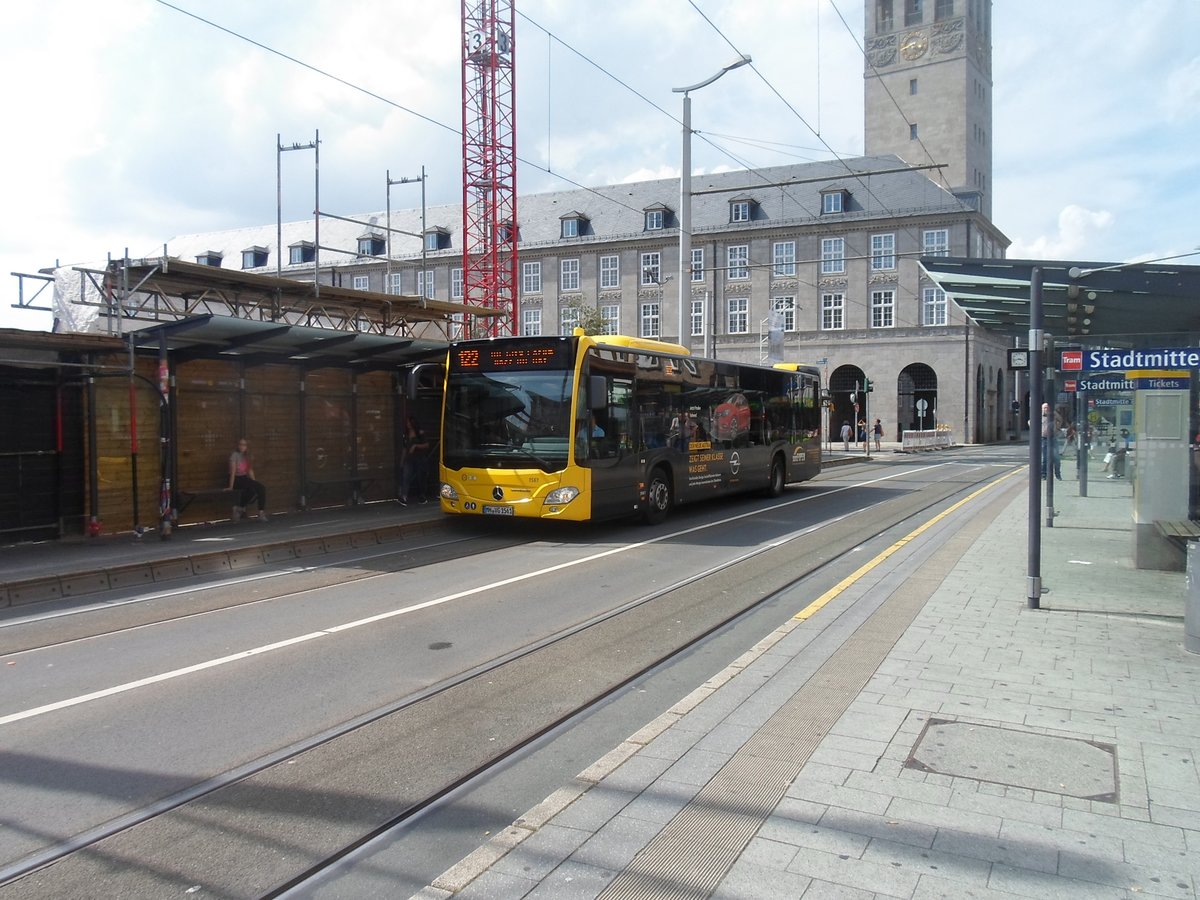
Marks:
<point>1050,455</point>
<point>241,478</point>
<point>416,457</point>
<point>847,433</point>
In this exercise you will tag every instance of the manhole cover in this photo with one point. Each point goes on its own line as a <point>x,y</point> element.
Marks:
<point>1040,762</point>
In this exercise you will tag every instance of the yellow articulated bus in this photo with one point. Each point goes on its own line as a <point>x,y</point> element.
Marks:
<point>588,427</point>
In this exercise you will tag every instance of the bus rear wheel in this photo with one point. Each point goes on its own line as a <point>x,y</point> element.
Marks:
<point>658,497</point>
<point>778,477</point>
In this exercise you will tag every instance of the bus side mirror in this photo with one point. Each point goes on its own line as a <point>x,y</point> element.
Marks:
<point>597,392</point>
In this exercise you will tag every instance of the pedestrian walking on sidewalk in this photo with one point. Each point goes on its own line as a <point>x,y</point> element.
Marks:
<point>847,432</point>
<point>241,478</point>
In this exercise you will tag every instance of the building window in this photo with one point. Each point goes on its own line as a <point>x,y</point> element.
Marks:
<point>913,12</point>
<point>392,285</point>
<point>912,87</point>
<point>611,314</point>
<point>456,284</point>
<point>568,275</point>
<point>936,242</point>
<point>942,10</point>
<point>833,202</point>
<point>610,273</point>
<point>254,258</point>
<point>933,306</point>
<point>833,312</point>
<point>912,131</point>
<point>739,211</point>
<point>531,278</point>
<point>649,325</point>
<point>739,315</point>
<point>883,309</point>
<point>371,245</point>
<point>883,252</point>
<point>458,326</point>
<point>697,264</point>
<point>425,284</point>
<point>568,319</point>
<point>210,258</point>
<point>531,322</point>
<point>433,240</point>
<point>304,252</point>
<point>570,228</point>
<point>739,262</point>
<point>784,259</point>
<point>833,256</point>
<point>362,282</point>
<point>884,18</point>
<point>785,308</point>
<point>652,268</point>
<point>697,318</point>
<point>655,219</point>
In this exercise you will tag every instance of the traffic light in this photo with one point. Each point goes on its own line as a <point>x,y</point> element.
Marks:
<point>867,386</point>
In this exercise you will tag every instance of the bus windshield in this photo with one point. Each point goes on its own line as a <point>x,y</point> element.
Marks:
<point>509,420</point>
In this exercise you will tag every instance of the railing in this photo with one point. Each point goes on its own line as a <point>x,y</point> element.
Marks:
<point>932,439</point>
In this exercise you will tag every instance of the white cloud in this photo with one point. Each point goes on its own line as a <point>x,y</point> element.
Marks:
<point>1078,229</point>
<point>1181,97</point>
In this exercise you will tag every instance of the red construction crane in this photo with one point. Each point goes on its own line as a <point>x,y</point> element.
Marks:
<point>489,130</point>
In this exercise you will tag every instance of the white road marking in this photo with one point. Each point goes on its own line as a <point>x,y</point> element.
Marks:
<point>438,601</point>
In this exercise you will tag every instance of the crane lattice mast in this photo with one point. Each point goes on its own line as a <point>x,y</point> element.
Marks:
<point>489,163</point>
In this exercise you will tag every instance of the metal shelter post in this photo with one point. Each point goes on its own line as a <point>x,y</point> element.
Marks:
<point>1033,591</point>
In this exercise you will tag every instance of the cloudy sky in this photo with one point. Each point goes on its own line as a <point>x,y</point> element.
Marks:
<point>132,121</point>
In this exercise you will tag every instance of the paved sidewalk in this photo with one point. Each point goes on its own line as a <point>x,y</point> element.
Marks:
<point>957,745</point>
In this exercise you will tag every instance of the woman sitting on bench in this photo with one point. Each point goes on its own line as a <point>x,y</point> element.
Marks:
<point>241,478</point>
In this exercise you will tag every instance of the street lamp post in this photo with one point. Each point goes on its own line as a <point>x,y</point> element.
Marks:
<point>685,195</point>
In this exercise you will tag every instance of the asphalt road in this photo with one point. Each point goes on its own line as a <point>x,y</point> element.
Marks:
<point>111,713</point>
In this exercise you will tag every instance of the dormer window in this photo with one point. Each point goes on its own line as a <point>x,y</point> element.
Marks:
<point>209,258</point>
<point>741,209</point>
<point>656,218</point>
<point>254,257</point>
<point>436,239</point>
<point>302,252</point>
<point>372,244</point>
<point>573,225</point>
<point>833,201</point>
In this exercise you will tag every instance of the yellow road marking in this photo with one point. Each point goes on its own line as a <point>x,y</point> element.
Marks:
<point>815,607</point>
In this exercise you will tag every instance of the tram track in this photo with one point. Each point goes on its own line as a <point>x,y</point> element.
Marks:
<point>238,833</point>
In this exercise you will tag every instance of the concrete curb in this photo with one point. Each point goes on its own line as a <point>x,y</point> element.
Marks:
<point>46,588</point>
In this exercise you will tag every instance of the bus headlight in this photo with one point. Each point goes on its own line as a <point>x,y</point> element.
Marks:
<point>561,496</point>
<point>447,492</point>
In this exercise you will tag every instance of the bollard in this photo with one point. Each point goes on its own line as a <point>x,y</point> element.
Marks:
<point>1191,599</point>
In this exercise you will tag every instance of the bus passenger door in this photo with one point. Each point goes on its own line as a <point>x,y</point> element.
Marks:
<point>612,456</point>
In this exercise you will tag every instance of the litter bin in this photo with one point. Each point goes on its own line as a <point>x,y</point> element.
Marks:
<point>1191,600</point>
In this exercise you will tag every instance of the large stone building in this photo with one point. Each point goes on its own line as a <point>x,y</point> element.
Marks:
<point>817,262</point>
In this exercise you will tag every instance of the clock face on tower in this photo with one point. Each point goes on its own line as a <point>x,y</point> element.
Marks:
<point>914,45</point>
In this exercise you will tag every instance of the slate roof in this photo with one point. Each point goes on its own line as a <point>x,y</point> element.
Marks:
<point>784,196</point>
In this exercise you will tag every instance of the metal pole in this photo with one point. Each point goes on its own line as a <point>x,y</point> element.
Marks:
<point>317,214</point>
<point>278,206</point>
<point>685,215</point>
<point>1033,593</point>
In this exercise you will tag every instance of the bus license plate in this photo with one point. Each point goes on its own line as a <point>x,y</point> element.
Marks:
<point>497,510</point>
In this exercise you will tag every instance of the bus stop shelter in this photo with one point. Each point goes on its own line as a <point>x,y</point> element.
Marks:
<point>1073,323</point>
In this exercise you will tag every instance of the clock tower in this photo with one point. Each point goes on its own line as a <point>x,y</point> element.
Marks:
<point>929,89</point>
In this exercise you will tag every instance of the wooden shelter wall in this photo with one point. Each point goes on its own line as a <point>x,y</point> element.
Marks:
<point>115,508</point>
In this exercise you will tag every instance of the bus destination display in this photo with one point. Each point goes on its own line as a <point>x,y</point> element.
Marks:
<point>499,357</point>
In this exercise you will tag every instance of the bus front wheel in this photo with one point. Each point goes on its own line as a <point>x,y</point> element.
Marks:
<point>658,497</point>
